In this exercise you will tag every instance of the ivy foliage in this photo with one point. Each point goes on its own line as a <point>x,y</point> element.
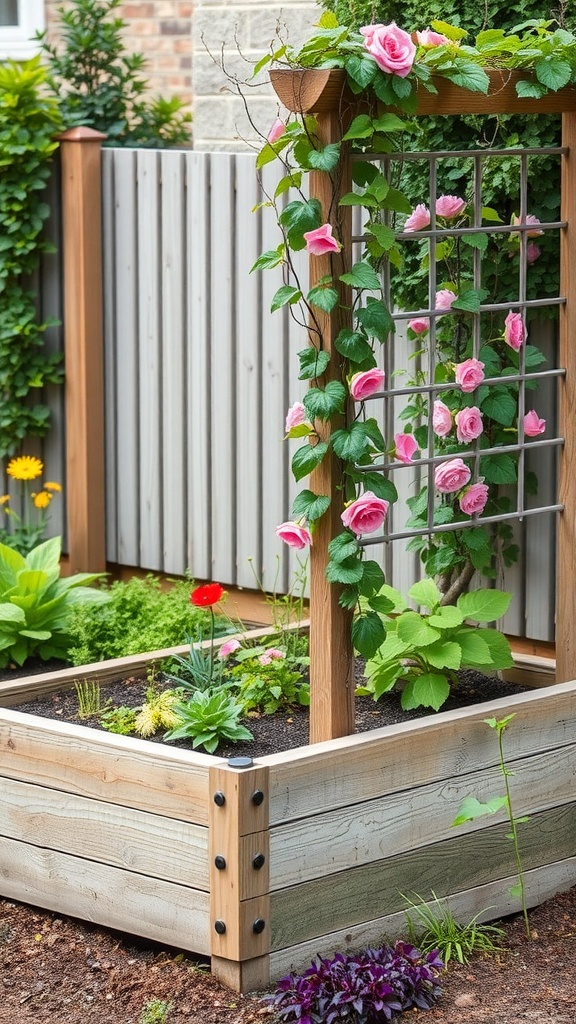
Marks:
<point>29,119</point>
<point>502,189</point>
<point>101,85</point>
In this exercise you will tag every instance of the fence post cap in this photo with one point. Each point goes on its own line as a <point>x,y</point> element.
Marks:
<point>81,135</point>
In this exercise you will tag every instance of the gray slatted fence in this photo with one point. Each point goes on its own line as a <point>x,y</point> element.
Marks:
<point>199,374</point>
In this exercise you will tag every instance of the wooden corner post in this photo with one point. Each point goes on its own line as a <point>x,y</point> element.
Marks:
<point>566,540</point>
<point>83,347</point>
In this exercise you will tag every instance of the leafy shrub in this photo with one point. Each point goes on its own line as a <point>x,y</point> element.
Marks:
<point>367,987</point>
<point>426,651</point>
<point>100,83</point>
<point>268,683</point>
<point>207,718</point>
<point>139,616</point>
<point>36,606</point>
<point>29,119</point>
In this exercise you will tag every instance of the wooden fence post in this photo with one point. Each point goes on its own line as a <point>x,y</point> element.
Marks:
<point>566,540</point>
<point>83,347</point>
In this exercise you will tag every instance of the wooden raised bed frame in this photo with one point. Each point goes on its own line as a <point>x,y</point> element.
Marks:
<point>300,853</point>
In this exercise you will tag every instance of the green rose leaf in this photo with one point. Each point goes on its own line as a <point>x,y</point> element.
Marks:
<point>375,319</point>
<point>300,216</point>
<point>286,295</point>
<point>269,259</point>
<point>368,633</point>
<point>348,571</point>
<point>306,459</point>
<point>325,159</point>
<point>484,605</point>
<point>323,403</point>
<point>310,506</point>
<point>498,469</point>
<point>372,580</point>
<point>351,442</point>
<point>414,630</point>
<point>313,363</point>
<point>323,297</point>
<point>343,546</point>
<point>361,128</point>
<point>362,275</point>
<point>353,345</point>
<point>500,406</point>
<point>430,690</point>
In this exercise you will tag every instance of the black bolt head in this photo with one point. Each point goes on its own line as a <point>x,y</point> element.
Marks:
<point>220,927</point>
<point>219,799</point>
<point>259,925</point>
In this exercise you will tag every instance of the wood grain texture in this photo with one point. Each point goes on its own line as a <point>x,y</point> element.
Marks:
<point>148,844</point>
<point>488,901</point>
<point>83,344</point>
<point>158,910</point>
<point>566,538</point>
<point>116,769</point>
<point>331,662</point>
<point>319,90</point>
<point>352,769</point>
<point>412,818</point>
<point>460,862</point>
<point>242,976</point>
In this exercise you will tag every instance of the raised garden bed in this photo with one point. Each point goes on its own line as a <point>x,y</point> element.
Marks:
<point>263,865</point>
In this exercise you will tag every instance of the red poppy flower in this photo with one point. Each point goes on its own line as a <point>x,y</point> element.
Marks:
<point>207,595</point>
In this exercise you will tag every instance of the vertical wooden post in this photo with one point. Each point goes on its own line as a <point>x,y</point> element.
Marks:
<point>83,347</point>
<point>331,664</point>
<point>566,541</point>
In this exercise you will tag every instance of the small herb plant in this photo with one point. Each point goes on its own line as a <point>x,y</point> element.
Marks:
<point>208,718</point>
<point>89,697</point>
<point>120,720</point>
<point>156,1011</point>
<point>36,605</point>
<point>367,987</point>
<point>471,808</point>
<point>266,682</point>
<point>158,712</point>
<point>425,651</point>
<point>434,927</point>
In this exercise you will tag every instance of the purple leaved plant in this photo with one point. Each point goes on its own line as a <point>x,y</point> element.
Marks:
<point>360,988</point>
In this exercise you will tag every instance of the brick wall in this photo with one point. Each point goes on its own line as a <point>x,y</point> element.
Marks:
<point>220,28</point>
<point>186,42</point>
<point>162,31</point>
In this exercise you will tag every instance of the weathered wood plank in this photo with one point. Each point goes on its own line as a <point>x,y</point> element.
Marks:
<point>149,844</point>
<point>151,360</point>
<point>174,348</point>
<point>488,901</point>
<point>116,769</point>
<point>158,910</point>
<point>413,818</point>
<point>357,768</point>
<point>461,862</point>
<point>109,301</point>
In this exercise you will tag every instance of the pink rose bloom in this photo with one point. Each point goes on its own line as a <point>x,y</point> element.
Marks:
<point>276,132</point>
<point>444,298</point>
<point>419,219</point>
<point>532,252</point>
<point>469,374</point>
<point>362,385</point>
<point>430,38</point>
<point>533,425</point>
<point>450,206</point>
<point>391,47</point>
<point>405,447</point>
<point>420,324</point>
<point>530,219</point>
<point>469,424</point>
<point>441,419</point>
<point>451,476</point>
<point>473,500</point>
<point>229,647</point>
<point>272,654</point>
<point>366,514</point>
<point>295,416</point>
<point>294,535</point>
<point>321,241</point>
<point>514,331</point>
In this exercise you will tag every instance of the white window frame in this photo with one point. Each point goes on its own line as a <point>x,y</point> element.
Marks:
<point>15,40</point>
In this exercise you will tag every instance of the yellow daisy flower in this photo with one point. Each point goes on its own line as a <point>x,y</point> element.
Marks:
<point>42,499</point>
<point>51,486</point>
<point>25,467</point>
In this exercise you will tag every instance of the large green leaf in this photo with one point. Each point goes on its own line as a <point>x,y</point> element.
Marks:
<point>362,275</point>
<point>499,648</point>
<point>348,571</point>
<point>372,580</point>
<point>324,297</point>
<point>484,605</point>
<point>286,295</point>
<point>475,650</point>
<point>375,319</point>
<point>11,613</point>
<point>426,593</point>
<point>351,442</point>
<point>342,546</point>
<point>353,345</point>
<point>498,469</point>
<point>414,630</point>
<point>306,459</point>
<point>325,159</point>
<point>323,403</point>
<point>444,654</point>
<point>429,690</point>
<point>361,128</point>
<point>300,216</point>
<point>313,363</point>
<point>368,633</point>
<point>553,72</point>
<point>309,505</point>
<point>46,556</point>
